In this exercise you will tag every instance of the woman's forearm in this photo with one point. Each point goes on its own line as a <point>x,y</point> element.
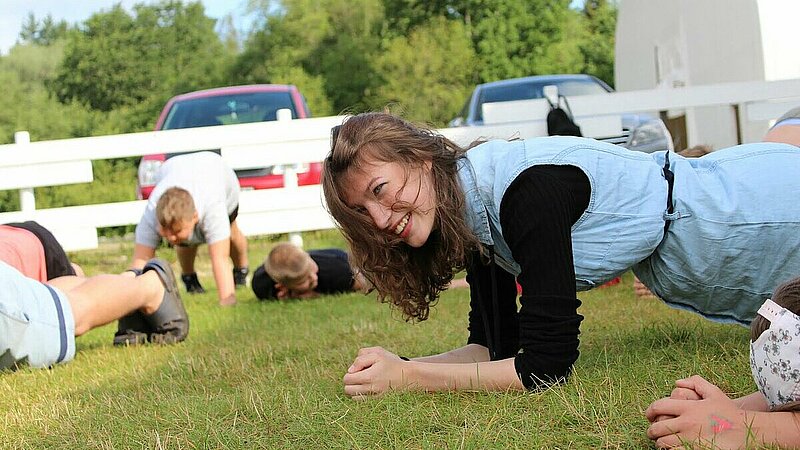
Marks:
<point>469,353</point>
<point>487,376</point>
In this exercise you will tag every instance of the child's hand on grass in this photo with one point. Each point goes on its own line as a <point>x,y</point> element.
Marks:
<point>679,393</point>
<point>713,419</point>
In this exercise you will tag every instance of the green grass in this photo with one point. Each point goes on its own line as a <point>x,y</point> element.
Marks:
<point>268,375</point>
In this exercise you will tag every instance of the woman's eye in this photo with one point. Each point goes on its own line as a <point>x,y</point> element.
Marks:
<point>377,189</point>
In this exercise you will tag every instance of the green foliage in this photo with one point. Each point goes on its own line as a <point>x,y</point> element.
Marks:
<point>512,38</point>
<point>311,86</point>
<point>45,32</point>
<point>427,85</point>
<point>597,47</point>
<point>114,181</point>
<point>27,105</point>
<point>331,40</point>
<point>344,58</point>
<point>275,54</point>
<point>136,61</point>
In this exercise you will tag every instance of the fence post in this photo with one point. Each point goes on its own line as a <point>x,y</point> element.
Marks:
<point>27,200</point>
<point>290,175</point>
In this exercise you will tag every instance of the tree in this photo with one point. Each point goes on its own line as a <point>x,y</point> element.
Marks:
<point>511,38</point>
<point>329,42</point>
<point>428,85</point>
<point>119,60</point>
<point>345,57</point>
<point>27,106</point>
<point>44,32</point>
<point>514,38</point>
<point>597,48</point>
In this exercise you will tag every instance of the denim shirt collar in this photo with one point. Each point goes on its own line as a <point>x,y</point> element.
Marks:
<point>477,217</point>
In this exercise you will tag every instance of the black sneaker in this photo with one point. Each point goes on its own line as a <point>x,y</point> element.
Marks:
<point>193,285</point>
<point>240,276</point>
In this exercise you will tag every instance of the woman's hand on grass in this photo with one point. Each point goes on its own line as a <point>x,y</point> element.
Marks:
<point>712,419</point>
<point>375,371</point>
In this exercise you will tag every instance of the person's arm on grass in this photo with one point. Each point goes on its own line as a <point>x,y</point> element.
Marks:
<point>470,353</point>
<point>376,371</point>
<point>142,254</point>
<point>717,420</point>
<point>146,238</point>
<point>219,252</point>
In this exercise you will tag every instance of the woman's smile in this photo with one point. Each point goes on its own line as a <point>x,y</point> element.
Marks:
<point>401,228</point>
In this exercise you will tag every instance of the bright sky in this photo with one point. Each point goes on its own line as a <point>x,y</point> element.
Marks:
<point>14,12</point>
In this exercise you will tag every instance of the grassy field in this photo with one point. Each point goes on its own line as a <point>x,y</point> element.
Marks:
<point>268,375</point>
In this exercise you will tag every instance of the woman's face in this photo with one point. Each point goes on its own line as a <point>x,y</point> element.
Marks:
<point>376,187</point>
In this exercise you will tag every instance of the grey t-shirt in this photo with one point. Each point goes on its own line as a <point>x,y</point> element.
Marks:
<point>213,187</point>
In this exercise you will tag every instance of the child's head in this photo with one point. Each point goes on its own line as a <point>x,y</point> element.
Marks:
<point>176,215</point>
<point>775,347</point>
<point>292,267</point>
<point>409,249</point>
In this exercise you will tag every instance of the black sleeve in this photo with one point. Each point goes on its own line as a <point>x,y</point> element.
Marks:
<point>537,214</point>
<point>263,286</point>
<point>335,274</point>
<point>479,277</point>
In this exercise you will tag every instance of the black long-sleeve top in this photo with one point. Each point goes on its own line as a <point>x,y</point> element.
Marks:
<point>536,214</point>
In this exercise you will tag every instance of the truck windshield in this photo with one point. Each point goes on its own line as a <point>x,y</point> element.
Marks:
<point>228,109</point>
<point>535,89</point>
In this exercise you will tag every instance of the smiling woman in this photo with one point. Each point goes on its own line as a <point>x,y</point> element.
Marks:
<point>372,185</point>
<point>559,214</point>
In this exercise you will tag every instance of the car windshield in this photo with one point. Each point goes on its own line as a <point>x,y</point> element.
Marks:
<point>228,109</point>
<point>535,89</point>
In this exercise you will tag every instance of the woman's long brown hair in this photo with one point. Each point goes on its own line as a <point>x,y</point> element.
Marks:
<point>409,278</point>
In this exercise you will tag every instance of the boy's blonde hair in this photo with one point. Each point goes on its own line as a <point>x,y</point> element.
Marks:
<point>174,206</point>
<point>287,264</point>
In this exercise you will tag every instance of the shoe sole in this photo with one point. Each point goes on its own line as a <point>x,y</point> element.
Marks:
<point>167,276</point>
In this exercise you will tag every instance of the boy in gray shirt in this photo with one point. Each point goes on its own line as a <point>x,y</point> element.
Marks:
<point>196,200</point>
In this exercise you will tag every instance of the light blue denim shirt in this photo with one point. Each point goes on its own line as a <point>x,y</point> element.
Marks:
<point>732,209</point>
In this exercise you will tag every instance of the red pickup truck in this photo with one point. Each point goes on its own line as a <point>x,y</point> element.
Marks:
<point>227,106</point>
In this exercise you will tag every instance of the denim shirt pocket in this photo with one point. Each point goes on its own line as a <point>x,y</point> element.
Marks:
<point>14,325</point>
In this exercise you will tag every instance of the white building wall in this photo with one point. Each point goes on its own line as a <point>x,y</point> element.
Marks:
<point>779,37</point>
<point>676,43</point>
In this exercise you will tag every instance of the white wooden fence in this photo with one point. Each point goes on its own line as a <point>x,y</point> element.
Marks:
<point>25,165</point>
